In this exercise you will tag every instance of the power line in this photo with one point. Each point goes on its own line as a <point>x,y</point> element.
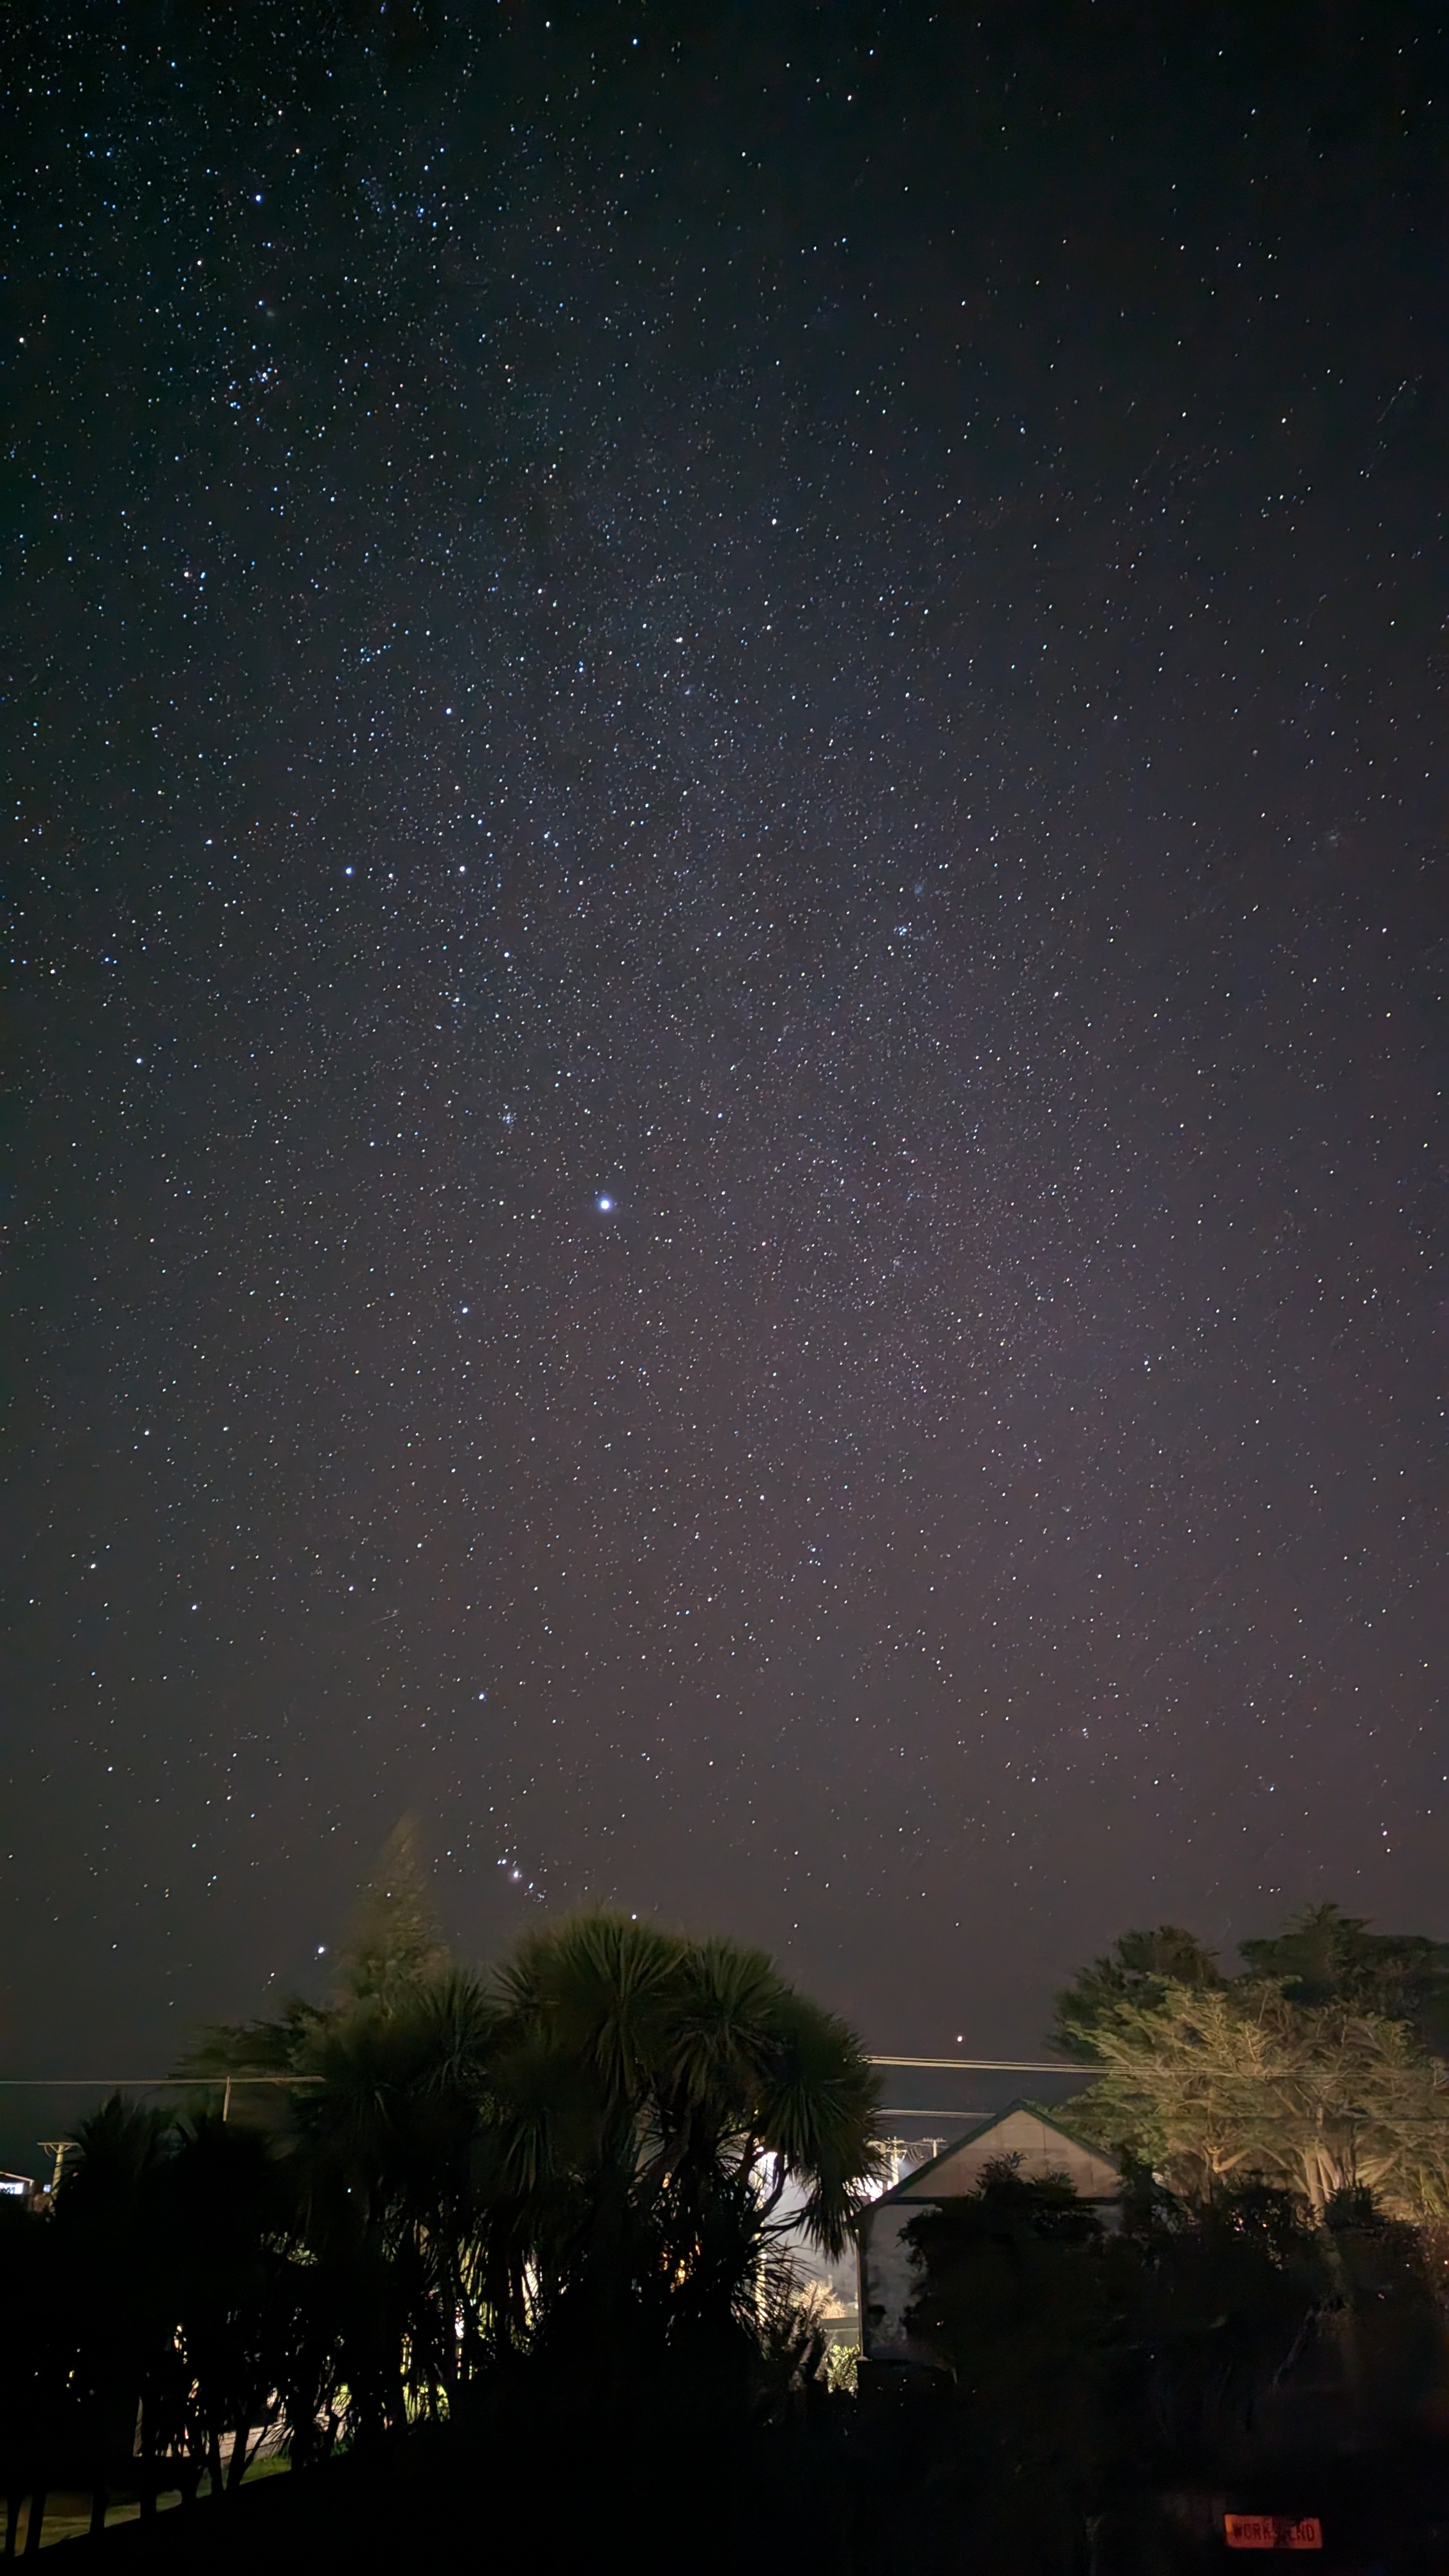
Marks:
<point>147,2083</point>
<point>914,2111</point>
<point>993,2065</point>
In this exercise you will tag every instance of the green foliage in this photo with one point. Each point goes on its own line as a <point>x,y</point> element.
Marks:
<point>699,2061</point>
<point>1327,1957</point>
<point>580,2161</point>
<point>395,1942</point>
<point>1300,2077</point>
<point>653,2099</point>
<point>275,2047</point>
<point>159,2298</point>
<point>1137,1970</point>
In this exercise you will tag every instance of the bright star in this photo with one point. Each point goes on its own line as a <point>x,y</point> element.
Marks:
<point>604,1206</point>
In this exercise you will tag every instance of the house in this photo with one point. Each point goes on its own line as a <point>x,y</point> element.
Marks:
<point>1036,2145</point>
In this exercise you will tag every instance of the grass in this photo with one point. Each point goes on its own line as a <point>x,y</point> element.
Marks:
<point>68,2514</point>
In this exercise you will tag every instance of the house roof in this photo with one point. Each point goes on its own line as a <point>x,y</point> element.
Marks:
<point>957,2169</point>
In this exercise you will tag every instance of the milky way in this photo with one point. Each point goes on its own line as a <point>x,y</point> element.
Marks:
<point>731,988</point>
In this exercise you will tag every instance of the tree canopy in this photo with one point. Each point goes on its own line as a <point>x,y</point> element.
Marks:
<point>586,2160</point>
<point>1324,1956</point>
<point>1092,2366</point>
<point>587,2149</point>
<point>1311,2069</point>
<point>1137,1969</point>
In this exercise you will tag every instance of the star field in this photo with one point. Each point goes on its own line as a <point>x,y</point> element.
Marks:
<point>728,990</point>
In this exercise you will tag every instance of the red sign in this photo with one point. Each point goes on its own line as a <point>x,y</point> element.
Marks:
<point>1272,2531</point>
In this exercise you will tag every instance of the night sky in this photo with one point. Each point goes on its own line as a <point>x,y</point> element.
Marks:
<point>731,987</point>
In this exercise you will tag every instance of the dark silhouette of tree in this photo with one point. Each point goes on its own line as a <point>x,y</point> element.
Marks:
<point>37,2408</point>
<point>1015,2302</point>
<point>384,2152</point>
<point>654,2098</point>
<point>1327,1957</point>
<point>394,1942</point>
<point>228,2213</point>
<point>1092,2368</point>
<point>114,2271</point>
<point>582,2158</point>
<point>1137,1970</point>
<point>572,2178</point>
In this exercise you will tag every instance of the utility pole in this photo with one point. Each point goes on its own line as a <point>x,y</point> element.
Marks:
<point>59,2148</point>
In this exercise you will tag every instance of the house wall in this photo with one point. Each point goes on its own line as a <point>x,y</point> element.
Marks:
<point>1037,2148</point>
<point>888,2280</point>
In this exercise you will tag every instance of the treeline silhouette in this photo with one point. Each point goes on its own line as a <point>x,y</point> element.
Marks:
<point>584,2163</point>
<point>502,2259</point>
<point>1109,2389</point>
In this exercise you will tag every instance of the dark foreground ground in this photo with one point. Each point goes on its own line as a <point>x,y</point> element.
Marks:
<point>839,2495</point>
<point>556,2500</point>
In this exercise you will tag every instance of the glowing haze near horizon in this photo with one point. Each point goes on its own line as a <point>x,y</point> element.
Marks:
<point>730,989</point>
